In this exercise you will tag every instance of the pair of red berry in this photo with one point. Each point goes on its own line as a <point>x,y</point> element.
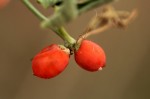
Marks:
<point>53,59</point>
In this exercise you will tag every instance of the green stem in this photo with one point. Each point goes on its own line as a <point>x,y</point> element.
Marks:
<point>59,31</point>
<point>70,41</point>
<point>34,10</point>
<point>69,15</point>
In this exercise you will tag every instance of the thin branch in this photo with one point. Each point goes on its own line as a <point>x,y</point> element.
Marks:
<point>108,18</point>
<point>34,10</point>
<point>96,31</point>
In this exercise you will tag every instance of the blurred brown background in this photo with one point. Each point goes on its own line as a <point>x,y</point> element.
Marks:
<point>126,75</point>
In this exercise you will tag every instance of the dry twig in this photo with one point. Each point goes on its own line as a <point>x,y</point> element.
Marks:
<point>107,19</point>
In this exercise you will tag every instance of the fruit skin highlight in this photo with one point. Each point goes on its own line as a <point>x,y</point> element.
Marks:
<point>90,56</point>
<point>50,61</point>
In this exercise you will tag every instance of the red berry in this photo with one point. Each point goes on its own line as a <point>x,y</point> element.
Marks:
<point>50,62</point>
<point>90,56</point>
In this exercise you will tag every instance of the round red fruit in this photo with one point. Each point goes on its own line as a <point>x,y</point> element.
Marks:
<point>51,61</point>
<point>90,56</point>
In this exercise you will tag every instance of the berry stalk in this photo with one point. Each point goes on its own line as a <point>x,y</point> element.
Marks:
<point>36,12</point>
<point>69,40</point>
<point>61,32</point>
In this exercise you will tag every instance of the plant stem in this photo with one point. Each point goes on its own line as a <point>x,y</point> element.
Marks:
<point>34,10</point>
<point>70,41</point>
<point>59,31</point>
